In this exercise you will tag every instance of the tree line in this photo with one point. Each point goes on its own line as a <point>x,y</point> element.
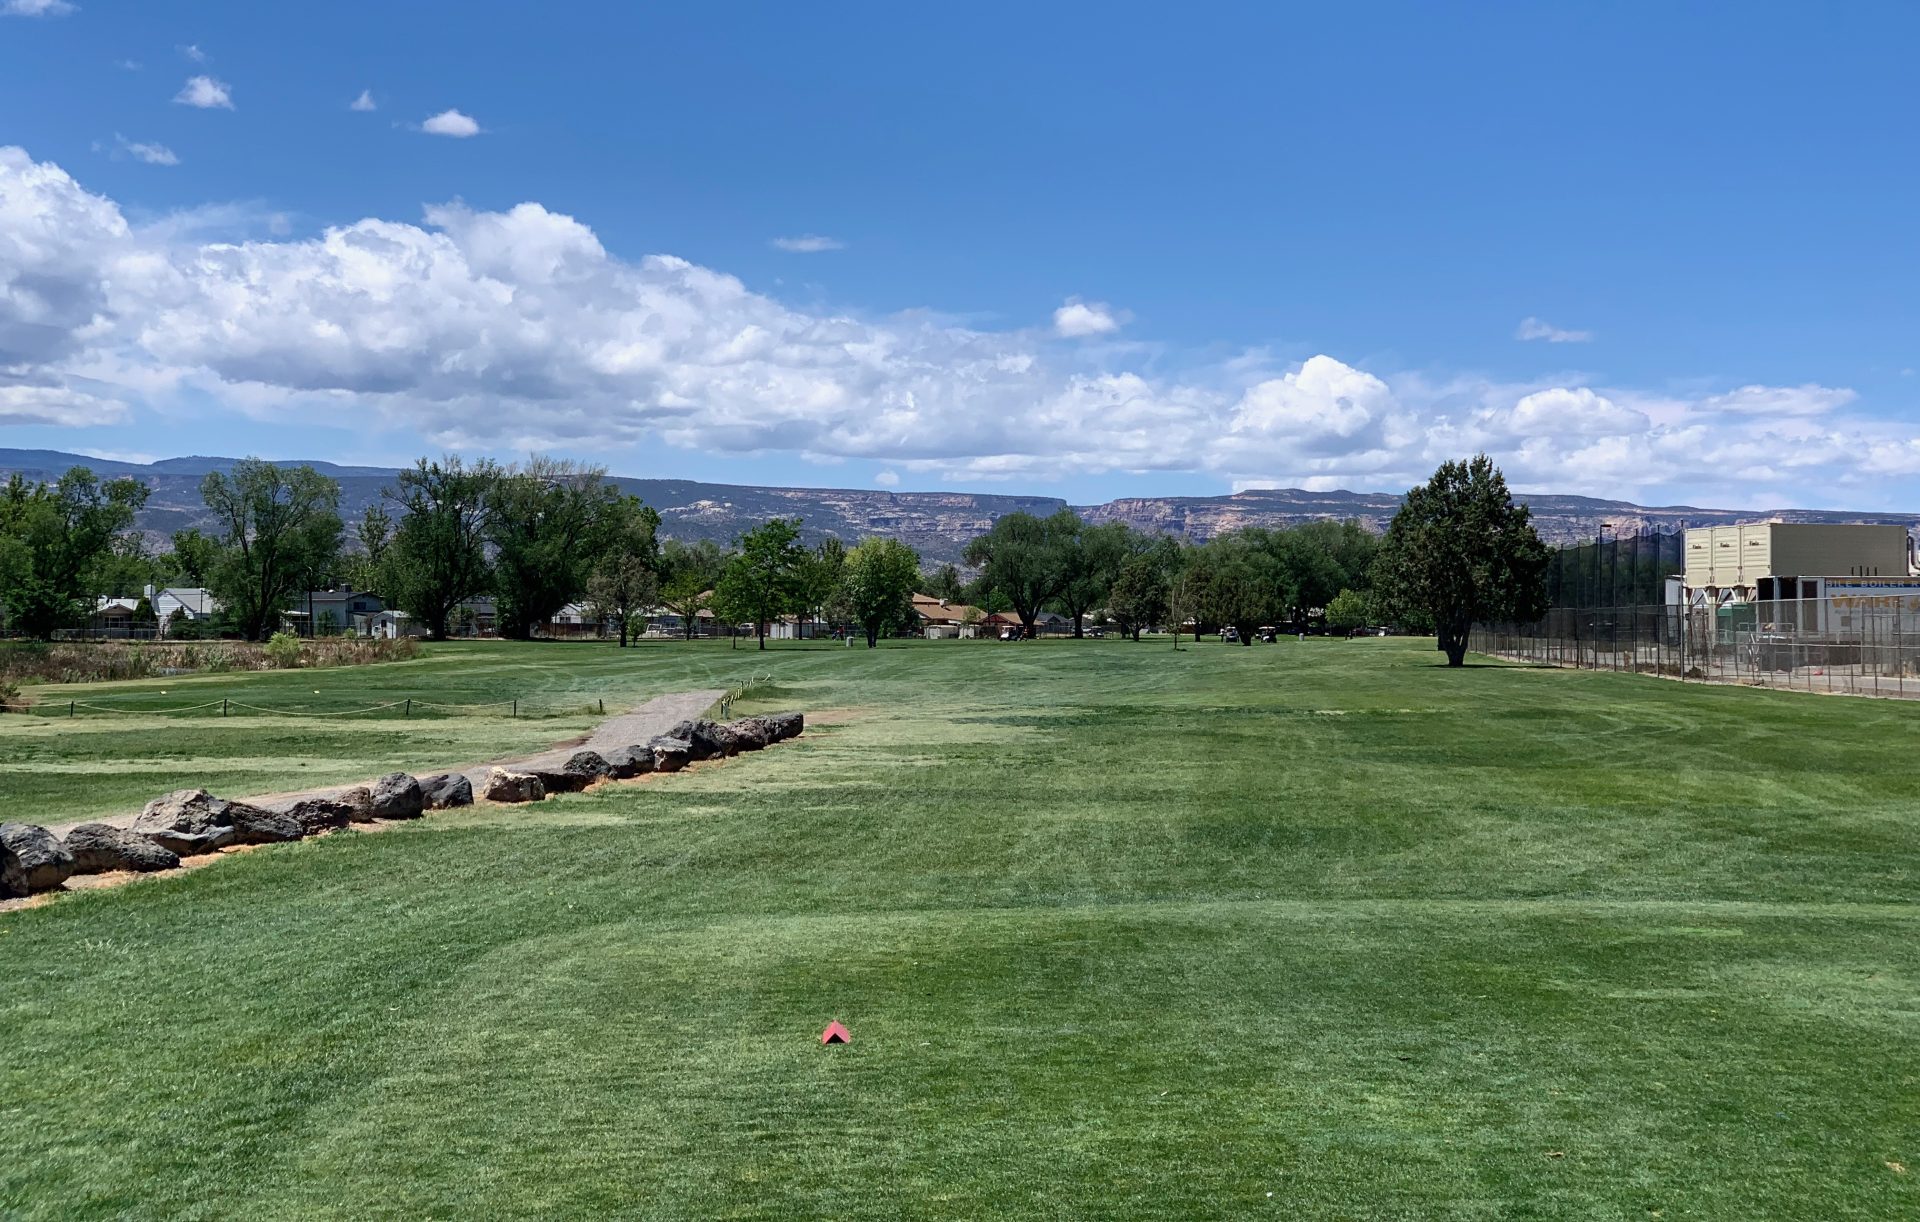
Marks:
<point>547,533</point>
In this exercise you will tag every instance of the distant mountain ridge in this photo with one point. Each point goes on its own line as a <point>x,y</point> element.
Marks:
<point>937,524</point>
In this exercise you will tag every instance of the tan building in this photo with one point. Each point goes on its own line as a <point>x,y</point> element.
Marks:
<point>1779,560</point>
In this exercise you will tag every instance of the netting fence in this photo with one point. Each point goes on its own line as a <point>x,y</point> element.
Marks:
<point>1861,645</point>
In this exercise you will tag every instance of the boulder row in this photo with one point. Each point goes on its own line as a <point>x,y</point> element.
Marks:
<point>670,754</point>
<point>189,821</point>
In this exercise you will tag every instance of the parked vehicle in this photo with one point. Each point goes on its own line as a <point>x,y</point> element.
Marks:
<point>1229,636</point>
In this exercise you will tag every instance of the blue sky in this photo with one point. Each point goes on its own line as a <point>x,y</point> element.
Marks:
<point>1083,250</point>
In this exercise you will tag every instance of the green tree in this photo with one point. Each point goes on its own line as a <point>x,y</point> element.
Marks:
<point>192,559</point>
<point>1460,550</point>
<point>626,580</point>
<point>762,581</point>
<point>946,584</point>
<point>1023,561</point>
<point>878,586</point>
<point>547,523</point>
<point>689,573</point>
<point>1091,557</point>
<point>1236,580</point>
<point>1143,590</point>
<point>437,558</point>
<point>279,526</point>
<point>1347,610</point>
<point>820,576</point>
<point>54,539</point>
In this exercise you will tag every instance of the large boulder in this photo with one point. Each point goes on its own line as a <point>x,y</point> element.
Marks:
<point>101,848</point>
<point>670,754</point>
<point>580,770</point>
<point>317,813</point>
<point>785,725</point>
<point>190,821</point>
<point>505,785</point>
<point>444,789</point>
<point>31,859</point>
<point>708,740</point>
<point>626,763</point>
<point>396,796</point>
<point>751,733</point>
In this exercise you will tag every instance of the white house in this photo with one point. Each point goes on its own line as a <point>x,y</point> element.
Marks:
<point>192,602</point>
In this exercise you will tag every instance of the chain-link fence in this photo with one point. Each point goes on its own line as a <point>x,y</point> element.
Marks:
<point>1867,645</point>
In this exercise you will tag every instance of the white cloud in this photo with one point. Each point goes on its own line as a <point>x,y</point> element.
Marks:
<point>887,479</point>
<point>1578,412</point>
<point>37,8</point>
<point>1078,319</point>
<point>152,154</point>
<point>56,405</point>
<point>364,101</point>
<point>205,93</point>
<point>504,331</point>
<point>451,123</point>
<point>128,65</point>
<point>193,52</point>
<point>1537,328</point>
<point>1808,400</point>
<point>808,244</point>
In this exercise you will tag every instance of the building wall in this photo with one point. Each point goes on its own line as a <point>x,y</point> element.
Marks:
<point>1725,556</point>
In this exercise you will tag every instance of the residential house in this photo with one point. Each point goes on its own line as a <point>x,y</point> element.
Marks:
<point>943,620</point>
<point>331,612</point>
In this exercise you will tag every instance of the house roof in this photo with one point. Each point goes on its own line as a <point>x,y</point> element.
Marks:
<point>940,611</point>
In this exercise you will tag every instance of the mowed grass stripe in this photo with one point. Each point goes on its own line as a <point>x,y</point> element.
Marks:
<point>1120,932</point>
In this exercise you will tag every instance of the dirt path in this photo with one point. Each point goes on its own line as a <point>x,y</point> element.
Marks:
<point>627,729</point>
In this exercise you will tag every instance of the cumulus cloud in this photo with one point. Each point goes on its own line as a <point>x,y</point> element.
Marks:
<point>887,479</point>
<point>205,93</point>
<point>808,244</point>
<point>1538,328</point>
<point>508,330</point>
<point>193,52</point>
<point>451,123</point>
<point>37,8</point>
<point>364,102</point>
<point>1078,319</point>
<point>152,154</point>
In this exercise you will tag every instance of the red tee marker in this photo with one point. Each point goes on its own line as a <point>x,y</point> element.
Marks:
<point>836,1034</point>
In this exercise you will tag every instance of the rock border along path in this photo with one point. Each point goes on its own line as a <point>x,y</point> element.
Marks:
<point>635,726</point>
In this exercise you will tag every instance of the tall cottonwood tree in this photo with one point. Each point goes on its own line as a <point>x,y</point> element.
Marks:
<point>1023,560</point>
<point>547,523</point>
<point>437,558</point>
<point>1091,557</point>
<point>1461,551</point>
<point>278,526</point>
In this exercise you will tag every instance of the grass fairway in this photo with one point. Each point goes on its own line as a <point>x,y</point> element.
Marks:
<point>1307,930</point>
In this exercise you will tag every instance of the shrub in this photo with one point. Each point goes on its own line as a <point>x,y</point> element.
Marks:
<point>283,649</point>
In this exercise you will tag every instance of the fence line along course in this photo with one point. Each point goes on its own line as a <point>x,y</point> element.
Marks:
<point>1865,645</point>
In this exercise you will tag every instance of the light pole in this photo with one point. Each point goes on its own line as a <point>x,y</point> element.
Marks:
<point>1611,562</point>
